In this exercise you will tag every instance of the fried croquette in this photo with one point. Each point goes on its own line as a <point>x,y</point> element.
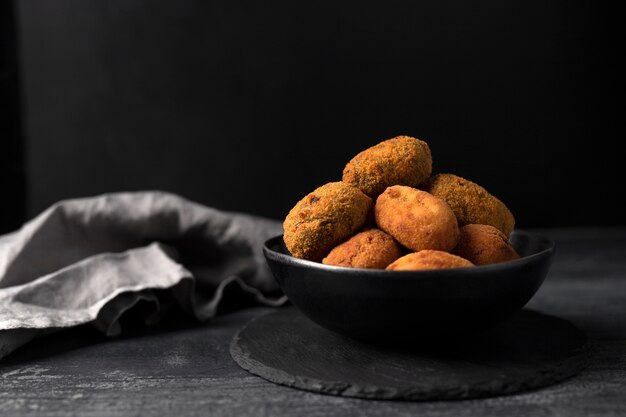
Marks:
<point>482,244</point>
<point>371,248</point>
<point>470,202</point>
<point>416,219</point>
<point>324,218</point>
<point>403,160</point>
<point>428,259</point>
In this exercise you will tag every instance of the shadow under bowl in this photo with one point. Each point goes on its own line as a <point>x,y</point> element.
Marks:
<point>380,305</point>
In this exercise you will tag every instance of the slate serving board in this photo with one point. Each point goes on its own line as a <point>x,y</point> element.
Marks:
<point>529,351</point>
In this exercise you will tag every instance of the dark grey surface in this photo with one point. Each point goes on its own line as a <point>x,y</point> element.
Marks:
<point>528,351</point>
<point>189,371</point>
<point>179,95</point>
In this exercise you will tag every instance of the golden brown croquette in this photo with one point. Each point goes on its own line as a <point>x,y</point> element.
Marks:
<point>482,244</point>
<point>371,248</point>
<point>470,202</point>
<point>416,219</point>
<point>324,218</point>
<point>428,259</point>
<point>403,160</point>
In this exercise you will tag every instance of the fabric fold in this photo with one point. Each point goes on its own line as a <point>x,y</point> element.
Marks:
<point>90,260</point>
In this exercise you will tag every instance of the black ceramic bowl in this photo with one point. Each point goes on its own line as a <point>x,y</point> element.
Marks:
<point>383,305</point>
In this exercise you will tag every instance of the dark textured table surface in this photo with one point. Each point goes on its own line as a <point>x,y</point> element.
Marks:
<point>188,371</point>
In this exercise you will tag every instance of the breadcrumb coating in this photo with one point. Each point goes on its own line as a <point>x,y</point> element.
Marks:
<point>428,259</point>
<point>324,218</point>
<point>403,160</point>
<point>416,219</point>
<point>371,248</point>
<point>483,244</point>
<point>470,202</point>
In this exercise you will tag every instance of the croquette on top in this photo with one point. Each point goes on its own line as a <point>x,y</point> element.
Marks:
<point>403,160</point>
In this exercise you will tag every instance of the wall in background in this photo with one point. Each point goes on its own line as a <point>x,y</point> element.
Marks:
<point>246,106</point>
<point>12,202</point>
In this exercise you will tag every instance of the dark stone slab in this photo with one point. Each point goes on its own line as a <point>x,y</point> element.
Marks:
<point>529,351</point>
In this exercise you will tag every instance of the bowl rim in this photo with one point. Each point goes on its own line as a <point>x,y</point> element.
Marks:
<point>477,269</point>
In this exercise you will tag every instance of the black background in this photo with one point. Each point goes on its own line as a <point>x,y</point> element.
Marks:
<point>12,184</point>
<point>248,106</point>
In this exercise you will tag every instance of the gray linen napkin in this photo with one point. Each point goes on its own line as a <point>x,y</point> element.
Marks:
<point>91,259</point>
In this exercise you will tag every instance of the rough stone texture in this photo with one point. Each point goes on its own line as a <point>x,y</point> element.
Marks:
<point>186,371</point>
<point>530,350</point>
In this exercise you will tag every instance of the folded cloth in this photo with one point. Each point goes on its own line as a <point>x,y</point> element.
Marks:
<point>89,260</point>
